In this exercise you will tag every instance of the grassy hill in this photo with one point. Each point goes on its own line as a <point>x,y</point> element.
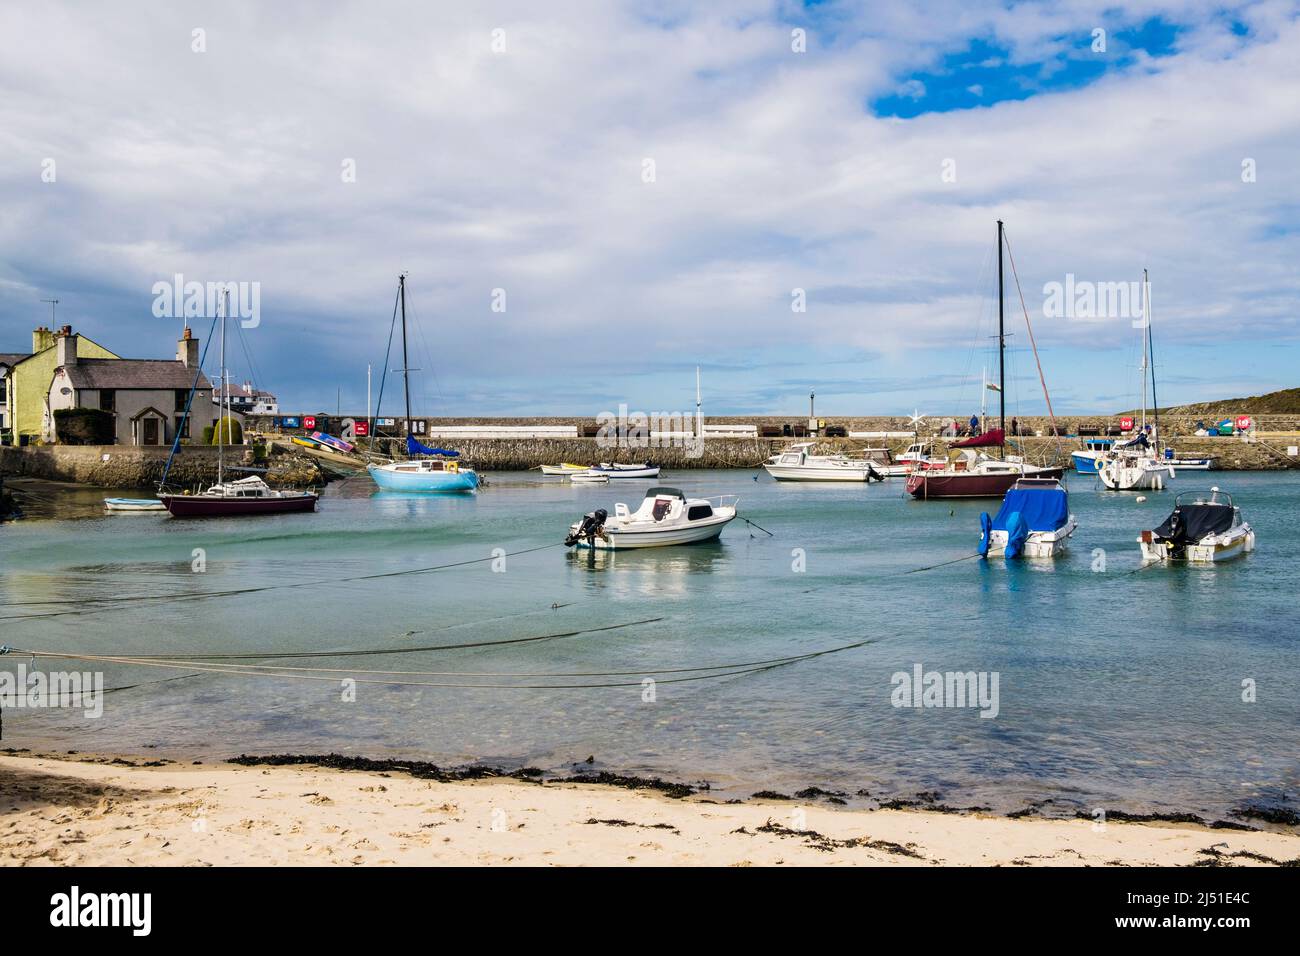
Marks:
<point>1284,402</point>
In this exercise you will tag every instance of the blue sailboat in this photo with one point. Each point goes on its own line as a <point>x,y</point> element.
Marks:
<point>1033,522</point>
<point>433,470</point>
<point>1085,460</point>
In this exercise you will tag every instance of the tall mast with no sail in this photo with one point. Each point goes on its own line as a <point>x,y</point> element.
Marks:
<point>1002,348</point>
<point>406,366</point>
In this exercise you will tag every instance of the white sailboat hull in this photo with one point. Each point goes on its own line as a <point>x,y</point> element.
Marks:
<point>1146,474</point>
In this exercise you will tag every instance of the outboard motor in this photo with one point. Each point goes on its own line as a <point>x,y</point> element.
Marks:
<point>593,524</point>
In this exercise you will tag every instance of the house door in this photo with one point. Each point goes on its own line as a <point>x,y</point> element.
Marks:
<point>150,426</point>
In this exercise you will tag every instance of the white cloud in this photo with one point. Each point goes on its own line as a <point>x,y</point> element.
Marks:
<point>523,170</point>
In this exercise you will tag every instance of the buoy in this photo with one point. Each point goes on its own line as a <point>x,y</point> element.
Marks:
<point>1141,498</point>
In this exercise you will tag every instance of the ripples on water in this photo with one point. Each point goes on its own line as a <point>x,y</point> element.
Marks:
<point>1117,689</point>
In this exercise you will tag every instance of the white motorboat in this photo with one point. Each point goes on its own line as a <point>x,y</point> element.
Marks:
<point>615,470</point>
<point>562,469</point>
<point>1201,529</point>
<point>588,477</point>
<point>1192,464</point>
<point>665,517</point>
<point>1033,522</point>
<point>798,463</point>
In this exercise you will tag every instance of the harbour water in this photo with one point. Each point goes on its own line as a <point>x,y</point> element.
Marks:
<point>1117,688</point>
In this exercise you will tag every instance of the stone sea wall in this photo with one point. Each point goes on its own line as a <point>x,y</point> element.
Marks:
<point>133,466</point>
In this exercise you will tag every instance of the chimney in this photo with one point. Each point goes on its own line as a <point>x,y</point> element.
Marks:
<point>42,339</point>
<point>66,345</point>
<point>187,350</point>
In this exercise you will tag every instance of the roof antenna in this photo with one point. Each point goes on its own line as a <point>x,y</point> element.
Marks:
<point>53,303</point>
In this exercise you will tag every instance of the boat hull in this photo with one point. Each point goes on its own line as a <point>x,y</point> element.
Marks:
<point>1217,548</point>
<point>943,484</point>
<point>616,540</point>
<point>652,472</point>
<point>433,482</point>
<point>1038,544</point>
<point>1085,462</point>
<point>563,469</point>
<point>204,506</point>
<point>816,473</point>
<point>134,505</point>
<point>1144,476</point>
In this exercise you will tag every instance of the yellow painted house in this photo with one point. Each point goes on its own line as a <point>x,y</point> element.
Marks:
<point>28,380</point>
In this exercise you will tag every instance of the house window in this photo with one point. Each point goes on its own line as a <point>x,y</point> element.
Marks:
<point>183,426</point>
<point>108,400</point>
<point>182,395</point>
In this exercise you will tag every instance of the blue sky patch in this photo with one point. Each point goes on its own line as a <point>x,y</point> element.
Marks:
<point>984,73</point>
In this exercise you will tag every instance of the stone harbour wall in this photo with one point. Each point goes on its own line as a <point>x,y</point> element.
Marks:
<point>136,466</point>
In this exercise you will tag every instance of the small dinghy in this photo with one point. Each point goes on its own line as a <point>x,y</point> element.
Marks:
<point>562,469</point>
<point>643,470</point>
<point>1033,522</point>
<point>133,504</point>
<point>588,477</point>
<point>665,517</point>
<point>1199,529</point>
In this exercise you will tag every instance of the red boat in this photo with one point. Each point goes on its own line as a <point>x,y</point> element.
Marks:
<point>248,496</point>
<point>987,478</point>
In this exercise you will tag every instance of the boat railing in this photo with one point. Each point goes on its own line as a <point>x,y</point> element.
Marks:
<point>723,501</point>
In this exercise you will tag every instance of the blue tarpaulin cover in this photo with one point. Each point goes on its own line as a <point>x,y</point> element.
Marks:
<point>1041,509</point>
<point>413,447</point>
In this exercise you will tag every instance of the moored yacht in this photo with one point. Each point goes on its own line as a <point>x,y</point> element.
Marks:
<point>665,517</point>
<point>247,496</point>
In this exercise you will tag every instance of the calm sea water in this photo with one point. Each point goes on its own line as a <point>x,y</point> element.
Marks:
<point>1116,689</point>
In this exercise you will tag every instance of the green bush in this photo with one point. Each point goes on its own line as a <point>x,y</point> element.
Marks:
<point>232,433</point>
<point>83,426</point>
<point>208,432</point>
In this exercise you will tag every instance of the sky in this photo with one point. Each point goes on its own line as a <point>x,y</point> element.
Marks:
<point>592,199</point>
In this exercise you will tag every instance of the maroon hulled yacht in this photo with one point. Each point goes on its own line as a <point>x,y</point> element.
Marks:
<point>974,474</point>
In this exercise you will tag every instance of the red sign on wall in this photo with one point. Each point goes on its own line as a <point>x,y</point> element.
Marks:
<point>1126,424</point>
<point>309,421</point>
<point>1243,422</point>
<point>361,429</point>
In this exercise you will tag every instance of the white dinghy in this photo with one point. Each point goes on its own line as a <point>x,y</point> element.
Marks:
<point>665,517</point>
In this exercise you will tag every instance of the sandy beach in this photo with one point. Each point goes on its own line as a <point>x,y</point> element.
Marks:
<point>101,811</point>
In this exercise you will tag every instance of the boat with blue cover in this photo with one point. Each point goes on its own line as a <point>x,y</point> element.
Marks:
<point>1033,522</point>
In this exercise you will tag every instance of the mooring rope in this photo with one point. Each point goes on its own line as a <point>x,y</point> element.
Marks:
<point>716,671</point>
<point>114,603</point>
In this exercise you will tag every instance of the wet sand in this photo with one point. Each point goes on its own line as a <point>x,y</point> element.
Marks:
<point>97,811</point>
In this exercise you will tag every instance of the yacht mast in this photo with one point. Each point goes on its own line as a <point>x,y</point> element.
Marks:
<point>1151,353</point>
<point>406,370</point>
<point>1146,324</point>
<point>1002,349</point>
<point>221,413</point>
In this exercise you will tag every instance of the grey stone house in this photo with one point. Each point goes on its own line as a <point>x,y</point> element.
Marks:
<point>146,396</point>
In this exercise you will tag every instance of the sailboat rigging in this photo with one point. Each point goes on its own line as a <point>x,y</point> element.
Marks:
<point>245,496</point>
<point>974,474</point>
<point>425,469</point>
